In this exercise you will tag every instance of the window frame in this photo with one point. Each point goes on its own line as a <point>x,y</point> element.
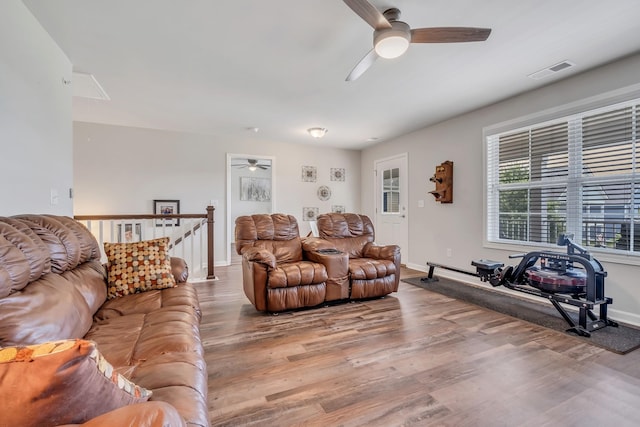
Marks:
<point>390,192</point>
<point>565,113</point>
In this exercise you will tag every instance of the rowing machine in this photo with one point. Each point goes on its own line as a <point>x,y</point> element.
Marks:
<point>575,278</point>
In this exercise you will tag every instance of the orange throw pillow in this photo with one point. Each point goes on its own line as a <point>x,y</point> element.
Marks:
<point>60,382</point>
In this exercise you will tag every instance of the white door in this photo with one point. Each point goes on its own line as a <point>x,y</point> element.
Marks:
<point>392,221</point>
<point>247,172</point>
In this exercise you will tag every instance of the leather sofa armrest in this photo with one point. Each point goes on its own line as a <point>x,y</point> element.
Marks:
<point>147,414</point>
<point>180,269</point>
<point>261,256</point>
<point>390,252</point>
<point>255,272</point>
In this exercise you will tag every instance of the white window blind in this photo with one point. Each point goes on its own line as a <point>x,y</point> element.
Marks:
<point>577,174</point>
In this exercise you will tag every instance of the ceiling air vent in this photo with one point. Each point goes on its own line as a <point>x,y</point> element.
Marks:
<point>551,70</point>
<point>86,86</point>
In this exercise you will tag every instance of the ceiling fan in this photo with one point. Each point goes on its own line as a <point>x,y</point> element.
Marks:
<point>252,164</point>
<point>391,37</point>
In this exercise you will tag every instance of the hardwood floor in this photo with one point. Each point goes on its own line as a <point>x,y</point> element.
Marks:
<point>415,358</point>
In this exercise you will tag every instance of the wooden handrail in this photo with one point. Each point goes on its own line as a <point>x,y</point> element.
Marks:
<point>138,216</point>
<point>208,217</point>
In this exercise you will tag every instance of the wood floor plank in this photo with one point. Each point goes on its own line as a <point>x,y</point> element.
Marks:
<point>414,358</point>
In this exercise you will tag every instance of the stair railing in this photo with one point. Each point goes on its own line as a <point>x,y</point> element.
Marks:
<point>190,235</point>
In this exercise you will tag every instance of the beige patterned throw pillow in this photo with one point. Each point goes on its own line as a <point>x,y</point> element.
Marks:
<point>138,267</point>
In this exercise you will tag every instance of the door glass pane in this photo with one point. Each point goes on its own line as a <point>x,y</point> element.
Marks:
<point>391,190</point>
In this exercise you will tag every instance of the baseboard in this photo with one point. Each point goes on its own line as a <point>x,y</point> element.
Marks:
<point>625,317</point>
<point>418,267</point>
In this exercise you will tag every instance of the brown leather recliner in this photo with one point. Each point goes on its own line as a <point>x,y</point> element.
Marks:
<point>373,270</point>
<point>277,273</point>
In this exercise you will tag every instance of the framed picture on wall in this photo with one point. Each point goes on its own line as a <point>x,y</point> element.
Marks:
<point>166,207</point>
<point>255,189</point>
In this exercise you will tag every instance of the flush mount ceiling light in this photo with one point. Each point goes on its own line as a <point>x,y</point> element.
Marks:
<point>317,132</point>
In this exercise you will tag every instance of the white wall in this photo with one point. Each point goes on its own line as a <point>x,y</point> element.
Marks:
<point>459,226</point>
<point>35,116</point>
<point>121,170</point>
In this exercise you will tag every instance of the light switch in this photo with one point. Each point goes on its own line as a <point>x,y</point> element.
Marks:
<point>421,203</point>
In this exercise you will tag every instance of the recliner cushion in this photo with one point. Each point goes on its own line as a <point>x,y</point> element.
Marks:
<point>348,232</point>
<point>283,250</point>
<point>36,252</point>
<point>366,268</point>
<point>22,260</point>
<point>278,233</point>
<point>297,274</point>
<point>51,308</point>
<point>64,247</point>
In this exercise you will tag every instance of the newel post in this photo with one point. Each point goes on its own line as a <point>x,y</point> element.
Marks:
<point>211,274</point>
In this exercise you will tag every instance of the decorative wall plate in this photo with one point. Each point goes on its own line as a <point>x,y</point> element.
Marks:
<point>309,173</point>
<point>324,193</point>
<point>337,174</point>
<point>337,208</point>
<point>310,214</point>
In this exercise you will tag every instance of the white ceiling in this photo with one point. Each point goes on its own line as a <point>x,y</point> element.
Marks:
<point>222,67</point>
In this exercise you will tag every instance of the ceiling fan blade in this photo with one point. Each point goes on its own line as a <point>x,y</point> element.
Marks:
<point>449,35</point>
<point>369,13</point>
<point>263,167</point>
<point>362,66</point>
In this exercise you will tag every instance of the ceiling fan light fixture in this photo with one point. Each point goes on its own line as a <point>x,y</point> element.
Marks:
<point>253,164</point>
<point>317,132</point>
<point>393,42</point>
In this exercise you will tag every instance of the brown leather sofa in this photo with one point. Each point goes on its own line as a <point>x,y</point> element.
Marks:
<point>374,270</point>
<point>281,271</point>
<point>52,287</point>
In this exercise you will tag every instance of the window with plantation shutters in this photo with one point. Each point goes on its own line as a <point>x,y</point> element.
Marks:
<point>578,174</point>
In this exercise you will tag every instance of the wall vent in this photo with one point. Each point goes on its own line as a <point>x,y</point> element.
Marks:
<point>86,86</point>
<point>551,70</point>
